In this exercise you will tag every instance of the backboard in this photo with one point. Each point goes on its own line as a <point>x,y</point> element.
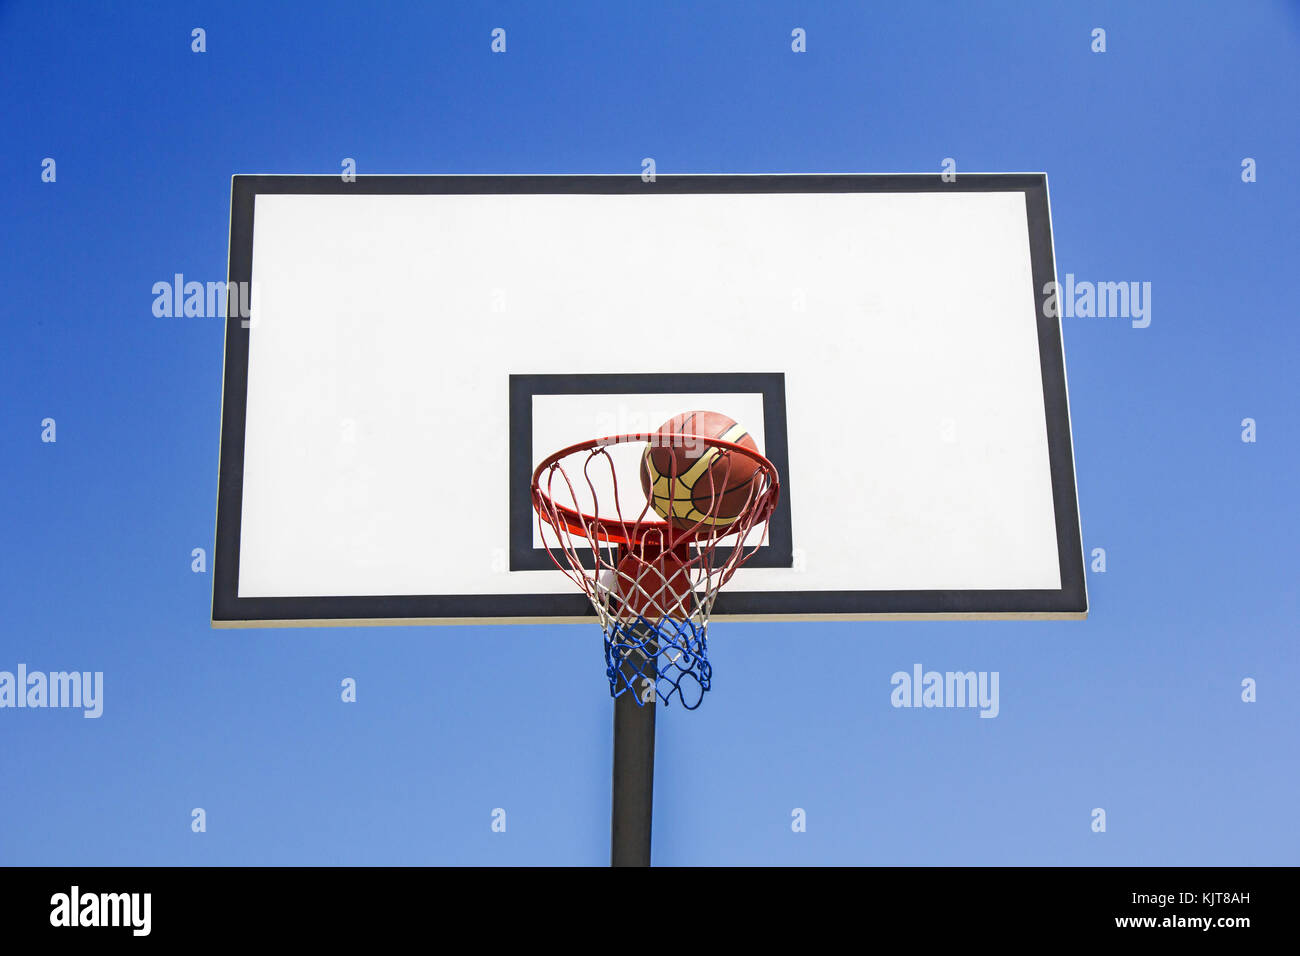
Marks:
<point>414,345</point>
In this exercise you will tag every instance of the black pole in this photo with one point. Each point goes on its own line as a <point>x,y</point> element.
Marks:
<point>634,772</point>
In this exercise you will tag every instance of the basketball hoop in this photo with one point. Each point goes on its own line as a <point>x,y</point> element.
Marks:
<point>653,581</point>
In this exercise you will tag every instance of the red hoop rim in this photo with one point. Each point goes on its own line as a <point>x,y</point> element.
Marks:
<point>577,522</point>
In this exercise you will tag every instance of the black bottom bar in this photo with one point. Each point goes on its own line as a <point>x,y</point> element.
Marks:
<point>1161,908</point>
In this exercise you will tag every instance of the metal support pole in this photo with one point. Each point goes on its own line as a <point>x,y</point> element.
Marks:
<point>634,774</point>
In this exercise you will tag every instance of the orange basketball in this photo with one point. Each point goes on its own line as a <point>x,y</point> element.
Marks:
<point>693,484</point>
<point>655,587</point>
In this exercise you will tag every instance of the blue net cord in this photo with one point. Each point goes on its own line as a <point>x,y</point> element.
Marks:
<point>656,660</point>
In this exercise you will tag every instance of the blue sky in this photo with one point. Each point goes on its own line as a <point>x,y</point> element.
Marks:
<point>1137,710</point>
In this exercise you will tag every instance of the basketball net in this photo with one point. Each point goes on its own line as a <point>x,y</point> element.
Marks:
<point>652,583</point>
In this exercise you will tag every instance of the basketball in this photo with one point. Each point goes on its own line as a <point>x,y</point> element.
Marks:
<point>655,587</point>
<point>694,485</point>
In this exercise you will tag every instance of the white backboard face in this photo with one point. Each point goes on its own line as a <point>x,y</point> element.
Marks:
<point>416,345</point>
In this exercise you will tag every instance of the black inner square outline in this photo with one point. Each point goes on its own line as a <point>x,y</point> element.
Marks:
<point>777,552</point>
